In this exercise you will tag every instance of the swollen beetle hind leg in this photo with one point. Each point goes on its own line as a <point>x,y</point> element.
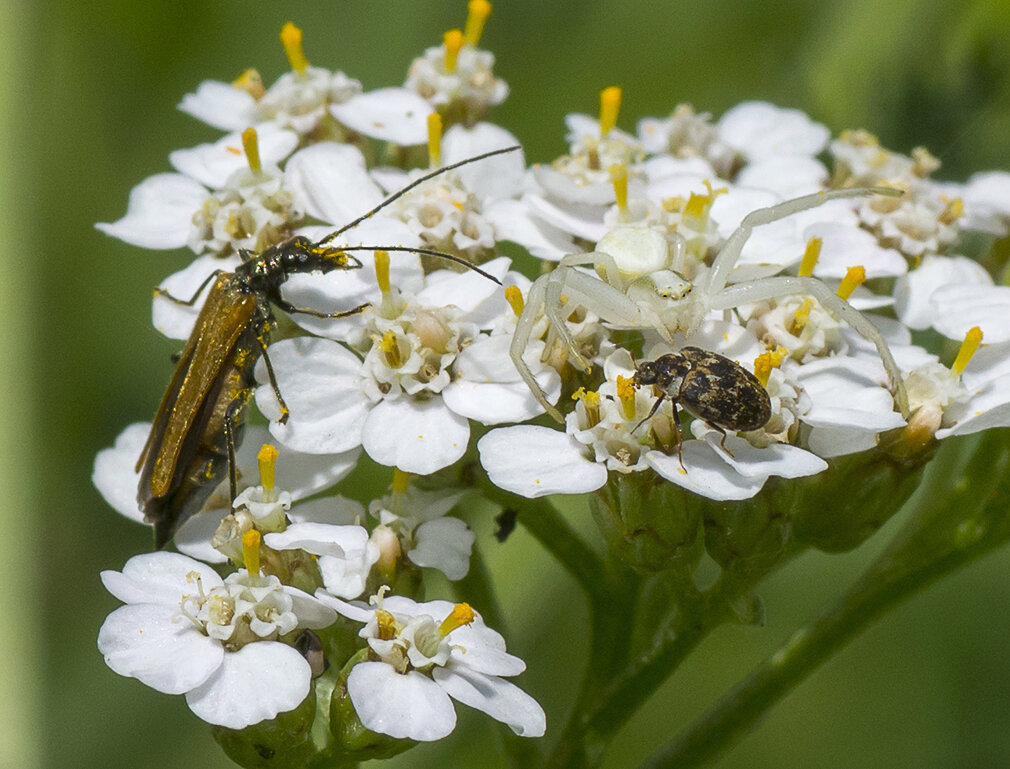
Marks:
<point>290,308</point>
<point>159,291</point>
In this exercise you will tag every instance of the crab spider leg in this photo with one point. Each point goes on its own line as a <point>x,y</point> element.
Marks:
<point>770,288</point>
<point>521,338</point>
<point>597,259</point>
<point>730,253</point>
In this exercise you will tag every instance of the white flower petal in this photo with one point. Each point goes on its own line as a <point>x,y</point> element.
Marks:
<point>160,212</point>
<point>253,684</point>
<point>176,320</point>
<point>704,472</point>
<point>311,612</point>
<point>212,164</point>
<point>779,459</point>
<point>986,408</point>
<point>788,175</point>
<point>159,577</point>
<point>320,382</point>
<point>498,177</point>
<point>958,308</point>
<point>584,221</point>
<point>514,221</point>
<point>319,538</point>
<point>355,611</point>
<point>912,292</point>
<point>443,544</point>
<point>466,289</point>
<point>470,652</point>
<point>159,648</point>
<point>761,130</point>
<point>417,436</point>
<point>492,403</point>
<point>330,182</point>
<point>500,699</point>
<point>220,105</point>
<point>331,510</point>
<point>536,461</point>
<point>114,475</point>
<point>391,114</point>
<point>844,246</point>
<point>409,706</point>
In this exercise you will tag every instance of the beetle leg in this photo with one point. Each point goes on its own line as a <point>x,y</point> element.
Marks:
<point>652,411</point>
<point>229,440</point>
<point>290,308</point>
<point>285,411</point>
<point>679,432</point>
<point>159,291</point>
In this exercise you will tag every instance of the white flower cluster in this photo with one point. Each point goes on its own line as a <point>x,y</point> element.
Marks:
<point>689,239</point>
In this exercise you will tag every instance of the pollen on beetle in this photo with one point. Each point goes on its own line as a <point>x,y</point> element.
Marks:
<point>250,144</point>
<point>970,345</point>
<point>610,107</point>
<point>462,614</point>
<point>453,40</point>
<point>291,37</point>
<point>854,278</point>
<point>810,256</point>
<point>477,14</point>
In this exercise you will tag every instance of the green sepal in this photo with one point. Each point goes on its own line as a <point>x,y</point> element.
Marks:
<point>748,537</point>
<point>280,743</point>
<point>646,522</point>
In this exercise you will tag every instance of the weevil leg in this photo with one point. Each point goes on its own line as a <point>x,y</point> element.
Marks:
<point>285,411</point>
<point>652,411</point>
<point>159,291</point>
<point>679,432</point>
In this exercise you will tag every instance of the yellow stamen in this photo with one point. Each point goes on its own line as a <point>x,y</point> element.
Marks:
<point>251,551</point>
<point>626,392</point>
<point>434,140</point>
<point>953,211</point>
<point>801,316</point>
<point>610,106</point>
<point>619,178</point>
<point>854,278</point>
<point>291,37</point>
<point>391,349</point>
<point>515,299</point>
<point>267,460</point>
<point>386,625</point>
<point>250,82</point>
<point>477,13</point>
<point>400,480</point>
<point>453,40</point>
<point>925,162</point>
<point>382,270</point>
<point>970,345</point>
<point>461,615</point>
<point>810,257</point>
<point>250,143</point>
<point>766,361</point>
<point>591,404</point>
<point>697,208</point>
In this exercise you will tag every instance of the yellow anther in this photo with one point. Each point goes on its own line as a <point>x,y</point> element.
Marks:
<point>515,299</point>
<point>461,615</point>
<point>801,316</point>
<point>453,40</point>
<point>970,345</point>
<point>250,82</point>
<point>610,107</point>
<point>626,393</point>
<point>251,551</point>
<point>766,361</point>
<point>477,13</point>
<point>810,257</point>
<point>390,347</point>
<point>590,402</point>
<point>854,278</point>
<point>953,211</point>
<point>925,162</point>
<point>291,37</point>
<point>267,460</point>
<point>434,140</point>
<point>251,145</point>
<point>619,178</point>
<point>698,206</point>
<point>401,480</point>
<point>382,270</point>
<point>386,625</point>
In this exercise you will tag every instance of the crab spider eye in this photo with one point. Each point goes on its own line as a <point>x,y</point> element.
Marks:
<point>670,285</point>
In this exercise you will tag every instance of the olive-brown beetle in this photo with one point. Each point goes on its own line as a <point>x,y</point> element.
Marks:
<point>202,413</point>
<point>709,386</point>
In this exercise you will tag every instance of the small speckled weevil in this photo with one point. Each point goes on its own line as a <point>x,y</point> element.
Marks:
<point>721,392</point>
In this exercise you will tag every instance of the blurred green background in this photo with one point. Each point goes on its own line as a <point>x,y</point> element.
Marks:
<point>89,110</point>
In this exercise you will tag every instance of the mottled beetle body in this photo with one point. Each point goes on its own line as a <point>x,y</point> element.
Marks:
<point>713,388</point>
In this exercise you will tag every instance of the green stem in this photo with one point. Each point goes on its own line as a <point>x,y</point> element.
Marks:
<point>959,517</point>
<point>477,588</point>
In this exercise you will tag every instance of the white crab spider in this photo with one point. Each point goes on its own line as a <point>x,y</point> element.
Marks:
<point>643,290</point>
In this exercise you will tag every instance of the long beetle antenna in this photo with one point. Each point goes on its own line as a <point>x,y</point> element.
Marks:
<point>425,252</point>
<point>403,191</point>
